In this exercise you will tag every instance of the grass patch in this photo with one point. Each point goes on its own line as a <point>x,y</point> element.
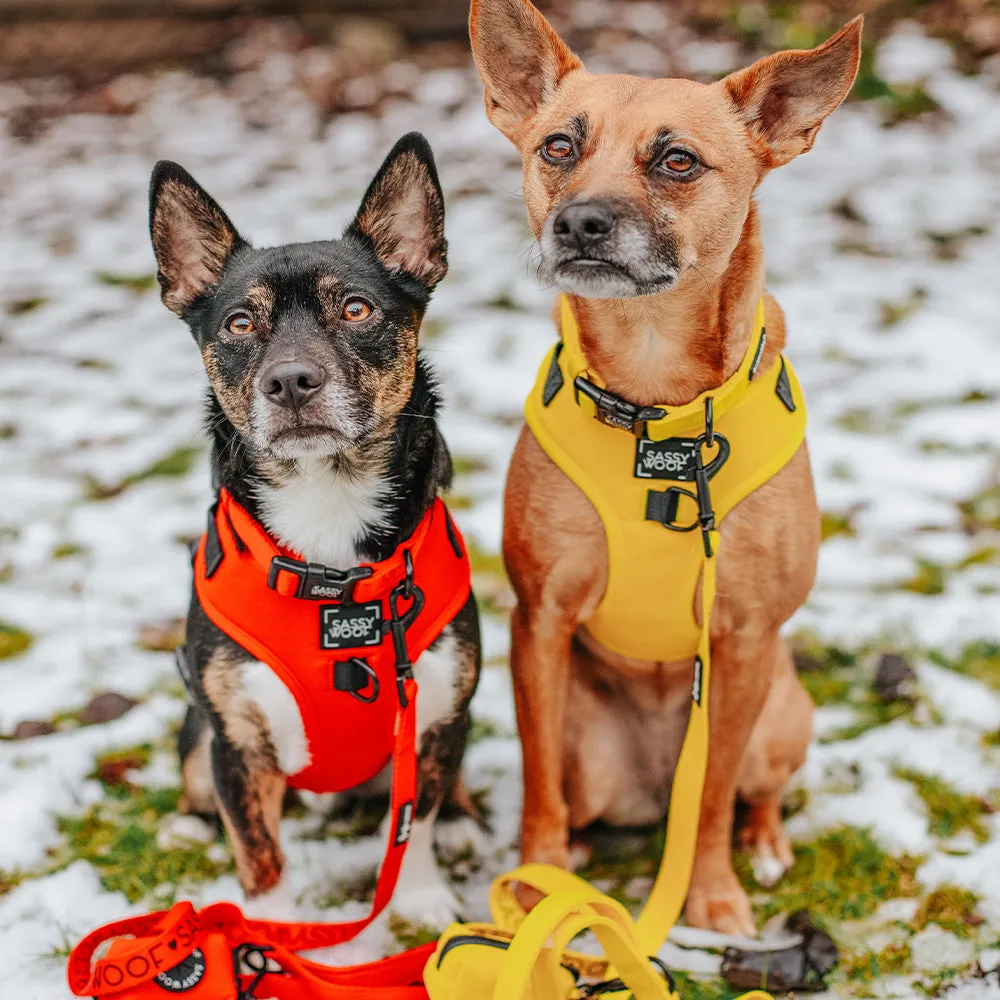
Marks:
<point>691,988</point>
<point>929,579</point>
<point>20,307</point>
<point>844,875</point>
<point>949,811</point>
<point>411,935</point>
<point>892,313</point>
<point>952,908</point>
<point>67,550</point>
<point>118,837</point>
<point>981,512</point>
<point>468,465</point>
<point>178,463</point>
<point>13,640</point>
<point>980,660</point>
<point>137,283</point>
<point>833,524</point>
<point>862,969</point>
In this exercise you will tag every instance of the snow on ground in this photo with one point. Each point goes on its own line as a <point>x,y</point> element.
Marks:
<point>883,248</point>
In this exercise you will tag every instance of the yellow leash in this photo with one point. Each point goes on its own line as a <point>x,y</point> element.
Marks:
<point>527,956</point>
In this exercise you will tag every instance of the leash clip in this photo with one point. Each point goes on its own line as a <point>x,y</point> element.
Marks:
<point>316,581</point>
<point>398,623</point>
<point>661,506</point>
<point>615,411</point>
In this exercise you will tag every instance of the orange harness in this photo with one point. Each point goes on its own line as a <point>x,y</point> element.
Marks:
<point>344,643</point>
<point>338,639</point>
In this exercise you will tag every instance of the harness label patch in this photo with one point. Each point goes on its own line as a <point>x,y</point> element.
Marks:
<point>185,975</point>
<point>673,458</point>
<point>347,626</point>
<point>404,824</point>
<point>696,683</point>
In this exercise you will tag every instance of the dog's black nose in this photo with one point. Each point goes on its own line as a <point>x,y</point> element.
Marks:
<point>291,383</point>
<point>584,224</point>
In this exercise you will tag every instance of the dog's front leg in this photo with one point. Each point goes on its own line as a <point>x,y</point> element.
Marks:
<point>742,672</point>
<point>250,797</point>
<point>540,663</point>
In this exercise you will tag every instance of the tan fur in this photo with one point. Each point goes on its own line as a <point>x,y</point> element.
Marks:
<point>404,237</point>
<point>191,242</point>
<point>259,863</point>
<point>241,716</point>
<point>196,775</point>
<point>601,733</point>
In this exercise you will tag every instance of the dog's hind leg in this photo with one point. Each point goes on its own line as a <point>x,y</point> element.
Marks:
<point>194,746</point>
<point>776,751</point>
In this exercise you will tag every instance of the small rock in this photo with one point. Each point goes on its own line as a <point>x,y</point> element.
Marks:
<point>161,637</point>
<point>935,948</point>
<point>32,727</point>
<point>895,679</point>
<point>104,708</point>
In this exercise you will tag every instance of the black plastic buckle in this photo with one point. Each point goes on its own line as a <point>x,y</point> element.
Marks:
<point>615,411</point>
<point>398,623</point>
<point>354,676</point>
<point>616,985</point>
<point>316,581</point>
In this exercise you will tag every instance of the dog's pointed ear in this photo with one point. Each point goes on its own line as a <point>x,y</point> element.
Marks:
<point>520,58</point>
<point>402,212</point>
<point>192,237</point>
<point>784,98</point>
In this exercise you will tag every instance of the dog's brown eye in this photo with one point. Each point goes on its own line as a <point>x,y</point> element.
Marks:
<point>678,161</point>
<point>556,148</point>
<point>355,310</point>
<point>240,324</point>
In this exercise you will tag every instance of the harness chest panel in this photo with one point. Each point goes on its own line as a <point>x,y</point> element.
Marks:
<point>329,639</point>
<point>759,418</point>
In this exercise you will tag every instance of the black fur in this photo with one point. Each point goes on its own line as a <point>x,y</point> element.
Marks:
<point>294,296</point>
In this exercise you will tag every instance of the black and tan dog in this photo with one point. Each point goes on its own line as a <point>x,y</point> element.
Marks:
<point>321,412</point>
<point>641,195</point>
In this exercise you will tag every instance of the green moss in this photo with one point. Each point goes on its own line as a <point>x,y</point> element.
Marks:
<point>832,524</point>
<point>929,579</point>
<point>952,908</point>
<point>468,465</point>
<point>411,935</point>
<point>483,729</point>
<point>691,988</point>
<point>118,837</point>
<point>948,246</point>
<point>981,512</point>
<point>178,463</point>
<point>13,640</point>
<point>22,306</point>
<point>949,811</point>
<point>863,969</point>
<point>872,713</point>
<point>136,282</point>
<point>844,875</point>
<point>980,660</point>
<point>858,420</point>
<point>891,313</point>
<point>67,550</point>
<point>903,104</point>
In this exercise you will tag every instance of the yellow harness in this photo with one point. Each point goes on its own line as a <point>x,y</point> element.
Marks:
<point>644,482</point>
<point>707,456</point>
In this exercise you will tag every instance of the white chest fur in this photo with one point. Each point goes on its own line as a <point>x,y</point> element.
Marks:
<point>323,514</point>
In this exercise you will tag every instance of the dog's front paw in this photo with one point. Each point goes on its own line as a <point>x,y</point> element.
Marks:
<point>720,905</point>
<point>771,850</point>
<point>431,905</point>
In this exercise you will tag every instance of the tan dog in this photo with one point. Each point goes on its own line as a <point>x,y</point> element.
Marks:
<point>641,195</point>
